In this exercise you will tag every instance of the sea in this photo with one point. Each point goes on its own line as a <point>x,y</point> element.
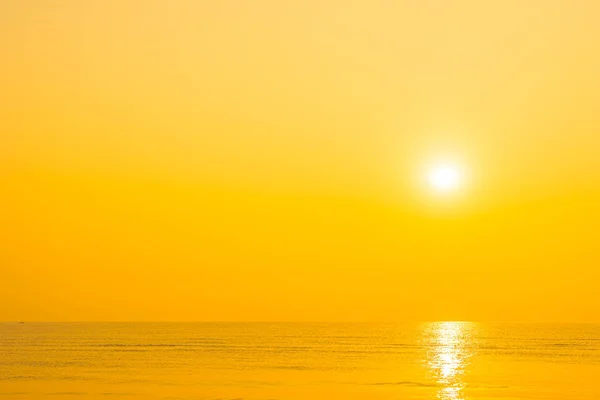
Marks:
<point>317,361</point>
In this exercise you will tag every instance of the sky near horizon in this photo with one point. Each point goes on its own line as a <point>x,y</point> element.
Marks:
<point>264,160</point>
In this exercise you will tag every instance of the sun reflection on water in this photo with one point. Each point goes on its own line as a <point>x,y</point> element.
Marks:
<point>449,352</point>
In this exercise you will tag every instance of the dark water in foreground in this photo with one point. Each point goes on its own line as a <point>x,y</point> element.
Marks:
<point>448,361</point>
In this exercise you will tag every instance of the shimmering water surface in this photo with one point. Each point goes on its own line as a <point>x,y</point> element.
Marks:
<point>446,361</point>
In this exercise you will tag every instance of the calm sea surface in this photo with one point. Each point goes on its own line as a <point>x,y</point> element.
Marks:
<point>447,361</point>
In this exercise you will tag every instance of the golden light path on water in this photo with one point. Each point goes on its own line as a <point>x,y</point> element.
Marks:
<point>448,357</point>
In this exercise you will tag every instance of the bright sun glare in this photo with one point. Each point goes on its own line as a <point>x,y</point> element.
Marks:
<point>444,178</point>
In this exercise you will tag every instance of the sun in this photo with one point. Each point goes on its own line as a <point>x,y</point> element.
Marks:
<point>444,178</point>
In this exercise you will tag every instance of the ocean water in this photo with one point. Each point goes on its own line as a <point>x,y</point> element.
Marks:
<point>260,361</point>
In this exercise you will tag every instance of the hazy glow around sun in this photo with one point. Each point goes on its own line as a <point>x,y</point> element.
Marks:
<point>444,178</point>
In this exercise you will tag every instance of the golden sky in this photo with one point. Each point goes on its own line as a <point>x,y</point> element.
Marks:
<point>264,160</point>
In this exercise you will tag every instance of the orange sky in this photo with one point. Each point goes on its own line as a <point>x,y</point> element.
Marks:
<point>262,160</point>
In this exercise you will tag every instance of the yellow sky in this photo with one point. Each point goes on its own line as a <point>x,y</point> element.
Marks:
<point>263,160</point>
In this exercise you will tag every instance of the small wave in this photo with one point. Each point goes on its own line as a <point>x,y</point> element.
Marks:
<point>20,378</point>
<point>404,383</point>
